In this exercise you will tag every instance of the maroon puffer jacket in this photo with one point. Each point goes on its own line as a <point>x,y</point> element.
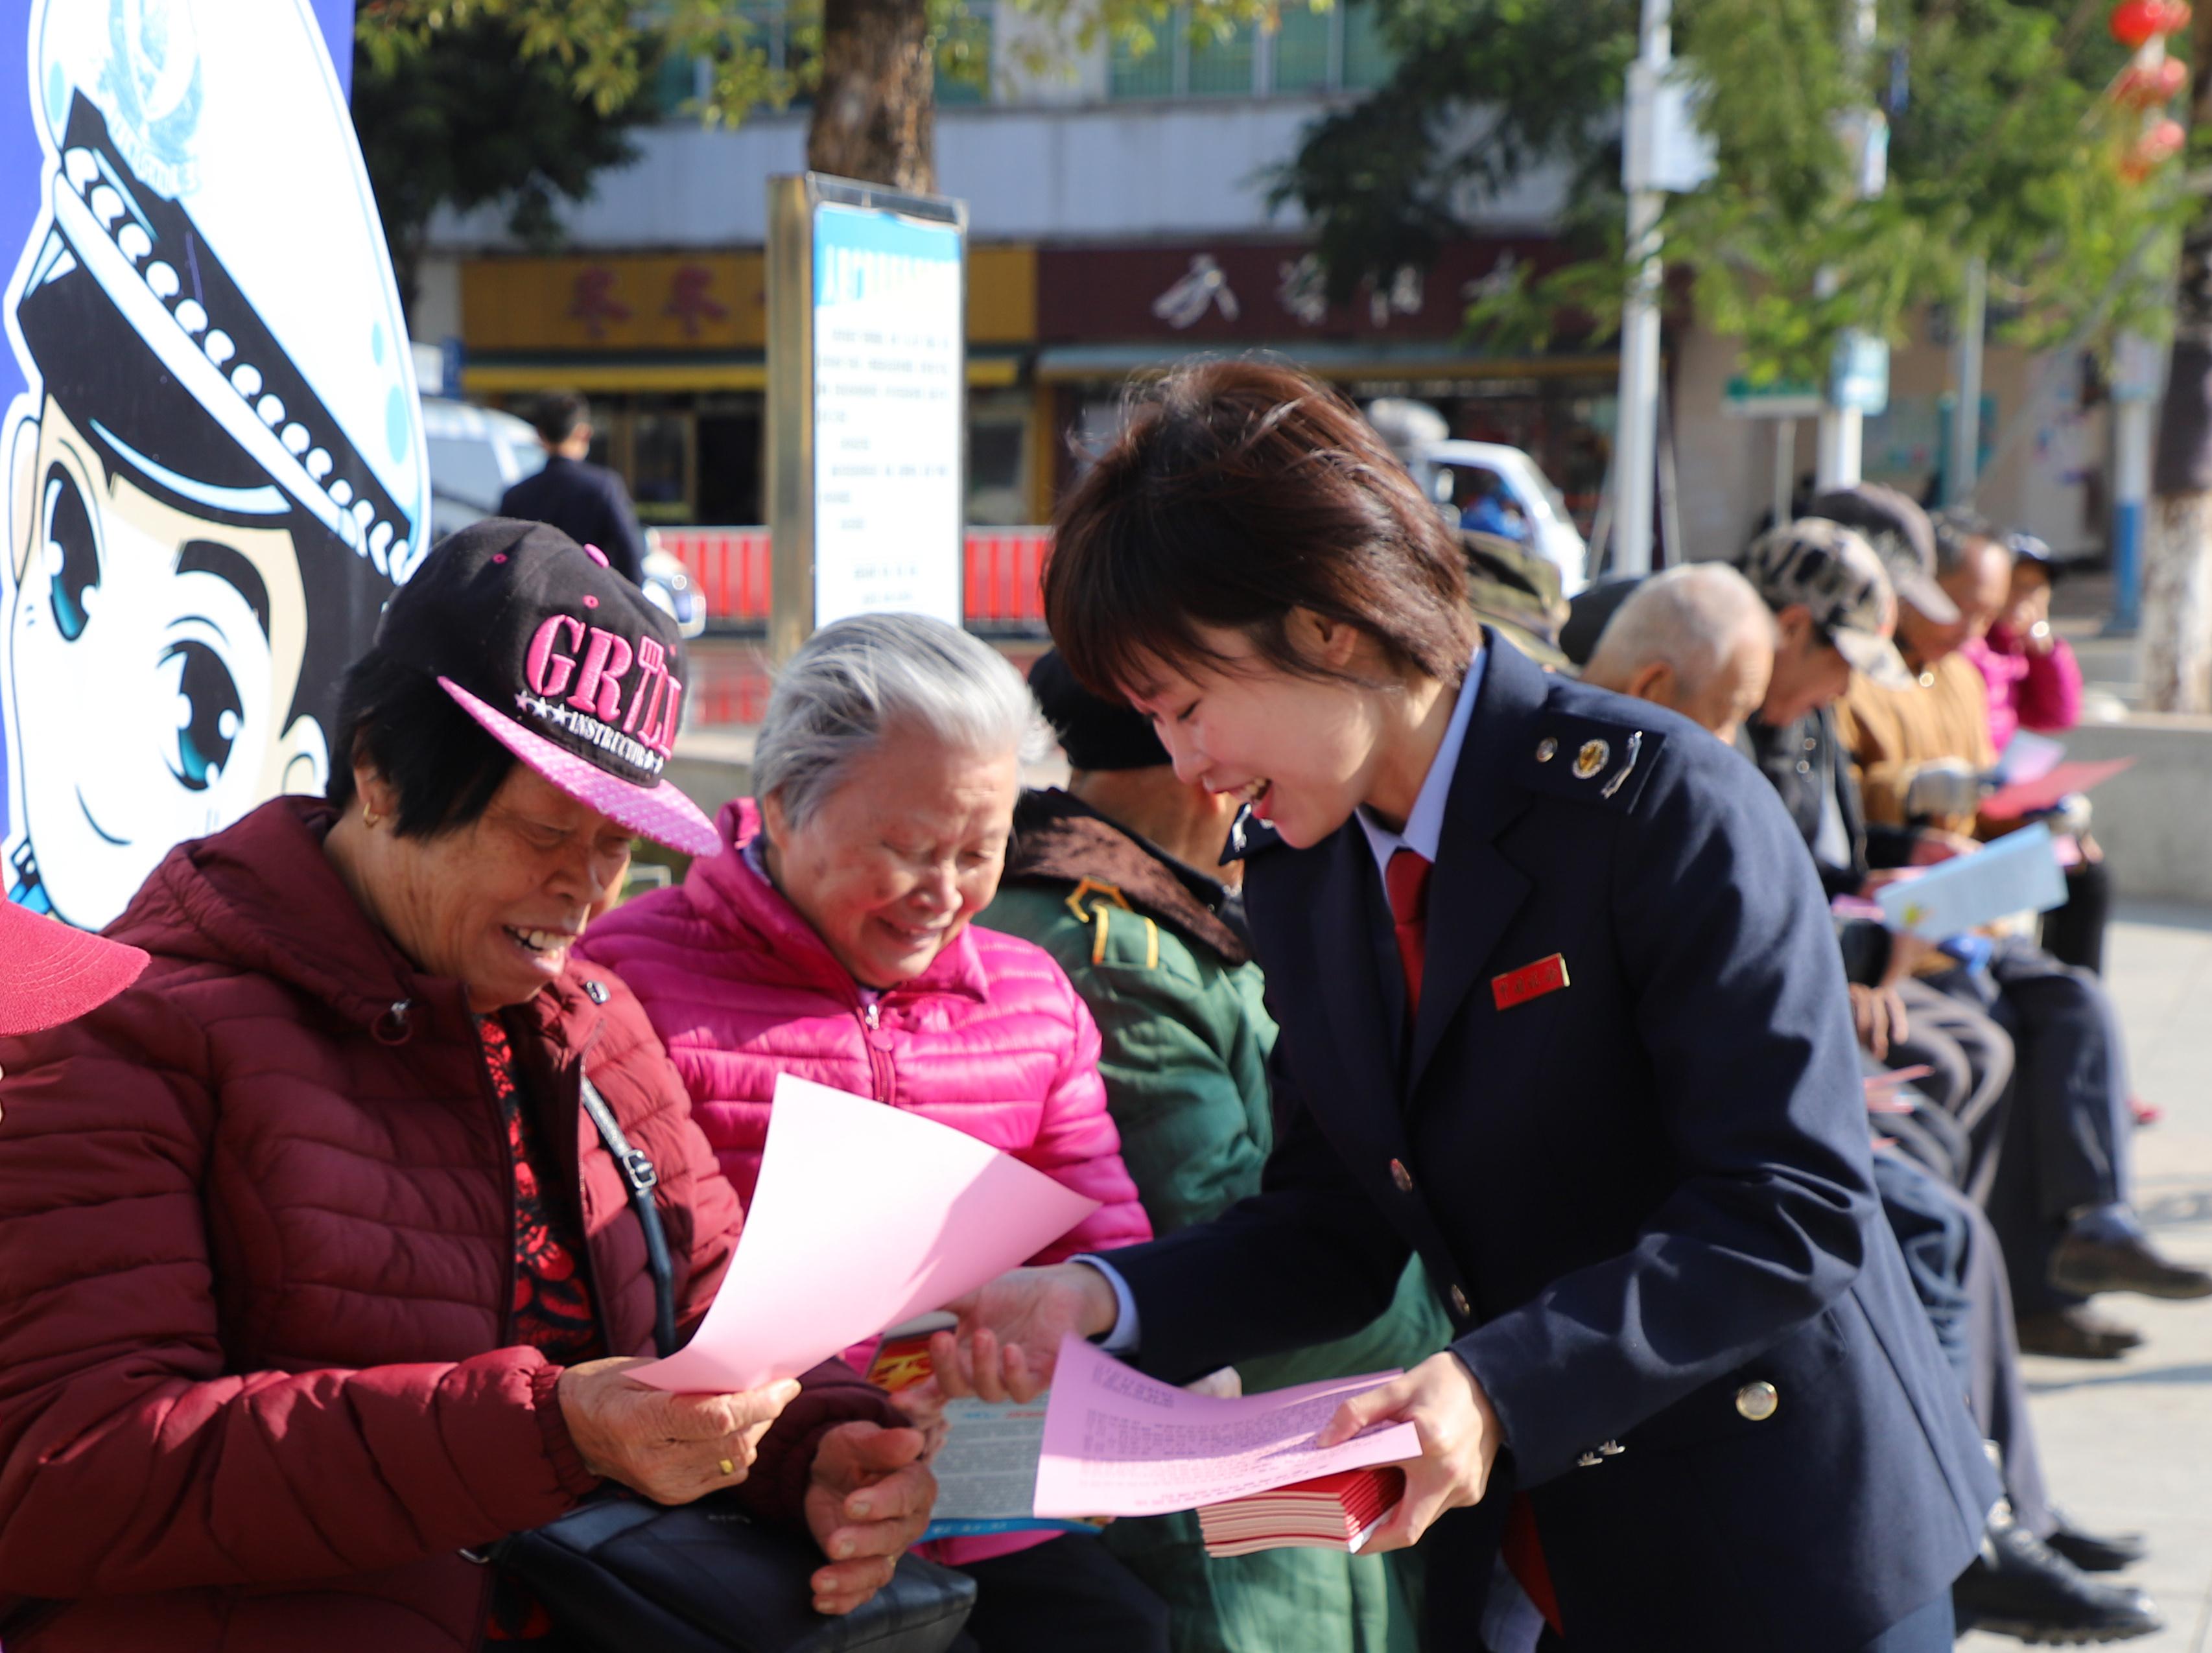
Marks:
<point>255,1268</point>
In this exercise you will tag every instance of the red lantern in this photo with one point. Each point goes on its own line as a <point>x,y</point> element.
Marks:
<point>2136,23</point>
<point>2146,86</point>
<point>2153,149</point>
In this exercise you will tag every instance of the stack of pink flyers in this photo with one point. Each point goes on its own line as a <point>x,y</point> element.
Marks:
<point>1117,1443</point>
<point>1333,1512</point>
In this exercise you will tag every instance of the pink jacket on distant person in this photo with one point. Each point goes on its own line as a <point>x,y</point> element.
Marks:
<point>2027,690</point>
<point>991,1039</point>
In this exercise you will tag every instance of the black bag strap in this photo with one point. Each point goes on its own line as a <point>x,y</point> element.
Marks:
<point>640,1179</point>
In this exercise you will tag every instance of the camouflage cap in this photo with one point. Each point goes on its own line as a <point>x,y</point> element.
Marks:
<point>1841,582</point>
<point>1518,591</point>
<point>1902,535</point>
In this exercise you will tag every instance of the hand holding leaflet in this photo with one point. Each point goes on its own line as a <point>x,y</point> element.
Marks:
<point>1117,1443</point>
<point>2018,874</point>
<point>863,1218</point>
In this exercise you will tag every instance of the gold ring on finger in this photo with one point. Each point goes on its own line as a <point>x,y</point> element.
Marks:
<point>729,1467</point>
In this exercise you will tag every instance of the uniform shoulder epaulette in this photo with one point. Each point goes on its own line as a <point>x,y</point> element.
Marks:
<point>1249,835</point>
<point>1601,760</point>
<point>1118,933</point>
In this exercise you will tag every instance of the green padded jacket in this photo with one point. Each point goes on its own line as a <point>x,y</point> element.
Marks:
<point>1153,949</point>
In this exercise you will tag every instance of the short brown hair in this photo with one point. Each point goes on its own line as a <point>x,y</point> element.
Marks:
<point>1238,491</point>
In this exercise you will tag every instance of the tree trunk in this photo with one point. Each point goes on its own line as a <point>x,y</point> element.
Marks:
<point>875,113</point>
<point>2175,643</point>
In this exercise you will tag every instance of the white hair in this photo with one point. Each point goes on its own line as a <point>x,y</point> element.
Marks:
<point>1689,617</point>
<point>853,682</point>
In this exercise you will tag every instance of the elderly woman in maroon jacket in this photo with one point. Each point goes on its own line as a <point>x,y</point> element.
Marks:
<point>312,1273</point>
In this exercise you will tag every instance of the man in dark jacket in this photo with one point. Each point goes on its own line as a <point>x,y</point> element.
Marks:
<point>585,502</point>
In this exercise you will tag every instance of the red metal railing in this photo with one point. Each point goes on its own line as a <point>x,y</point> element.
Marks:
<point>730,567</point>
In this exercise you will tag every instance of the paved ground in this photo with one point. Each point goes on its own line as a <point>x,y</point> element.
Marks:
<point>2130,1445</point>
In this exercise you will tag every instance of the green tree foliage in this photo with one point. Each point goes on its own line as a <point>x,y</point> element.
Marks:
<point>2003,144</point>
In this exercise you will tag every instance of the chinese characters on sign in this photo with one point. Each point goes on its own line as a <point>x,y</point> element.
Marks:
<point>888,415</point>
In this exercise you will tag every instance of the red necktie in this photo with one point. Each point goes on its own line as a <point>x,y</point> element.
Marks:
<point>1407,878</point>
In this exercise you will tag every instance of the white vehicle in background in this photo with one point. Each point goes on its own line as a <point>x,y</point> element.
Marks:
<point>1467,471</point>
<point>477,453</point>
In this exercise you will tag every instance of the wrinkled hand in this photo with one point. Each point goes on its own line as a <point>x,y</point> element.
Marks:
<point>1930,846</point>
<point>1878,1014</point>
<point>868,1500</point>
<point>923,1406</point>
<point>1947,786</point>
<point>1008,1338</point>
<point>1459,1436</point>
<point>670,1447</point>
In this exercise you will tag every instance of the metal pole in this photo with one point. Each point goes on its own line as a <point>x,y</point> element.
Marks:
<point>1785,467</point>
<point>1967,410</point>
<point>2135,412</point>
<point>1635,429</point>
<point>1837,455</point>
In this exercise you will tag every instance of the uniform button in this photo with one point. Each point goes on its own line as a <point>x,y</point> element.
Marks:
<point>1547,750</point>
<point>1401,1177</point>
<point>1758,1401</point>
<point>1803,767</point>
<point>1810,743</point>
<point>1459,1302</point>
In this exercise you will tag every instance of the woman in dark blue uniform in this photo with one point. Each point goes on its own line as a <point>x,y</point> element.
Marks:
<point>1561,1012</point>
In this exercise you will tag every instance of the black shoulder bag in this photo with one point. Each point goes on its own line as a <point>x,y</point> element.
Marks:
<point>620,1573</point>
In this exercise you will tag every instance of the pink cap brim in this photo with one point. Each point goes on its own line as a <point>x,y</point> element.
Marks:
<point>660,812</point>
<point>54,973</point>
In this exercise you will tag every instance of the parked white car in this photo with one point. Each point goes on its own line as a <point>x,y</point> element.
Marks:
<point>1445,467</point>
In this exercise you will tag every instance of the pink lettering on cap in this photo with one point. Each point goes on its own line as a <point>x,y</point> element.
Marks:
<point>599,685</point>
<point>597,556</point>
<point>548,672</point>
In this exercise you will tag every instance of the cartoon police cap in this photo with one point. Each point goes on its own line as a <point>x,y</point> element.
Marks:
<point>208,204</point>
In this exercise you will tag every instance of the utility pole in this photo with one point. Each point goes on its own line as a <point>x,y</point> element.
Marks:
<point>1636,435</point>
<point>1860,374</point>
<point>1961,475</point>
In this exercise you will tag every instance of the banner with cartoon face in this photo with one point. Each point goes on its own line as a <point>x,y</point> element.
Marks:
<point>214,463</point>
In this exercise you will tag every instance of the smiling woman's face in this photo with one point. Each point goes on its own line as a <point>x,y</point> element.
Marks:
<point>495,905</point>
<point>894,863</point>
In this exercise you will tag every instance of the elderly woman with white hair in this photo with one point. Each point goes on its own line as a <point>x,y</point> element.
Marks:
<point>834,945</point>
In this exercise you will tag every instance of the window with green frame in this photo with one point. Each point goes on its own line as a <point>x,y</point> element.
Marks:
<point>1303,39</point>
<point>1220,66</point>
<point>1151,73</point>
<point>1369,59</point>
<point>963,57</point>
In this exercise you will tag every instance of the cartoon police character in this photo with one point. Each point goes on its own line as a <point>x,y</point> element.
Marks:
<point>216,474</point>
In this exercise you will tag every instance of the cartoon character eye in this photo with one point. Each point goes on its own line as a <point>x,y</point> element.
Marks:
<point>72,552</point>
<point>209,714</point>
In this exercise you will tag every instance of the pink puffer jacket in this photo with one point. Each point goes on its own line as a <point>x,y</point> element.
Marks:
<point>991,1039</point>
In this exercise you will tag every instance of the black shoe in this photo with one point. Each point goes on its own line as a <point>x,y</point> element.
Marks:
<point>2094,1551</point>
<point>2018,1586</point>
<point>2076,1334</point>
<point>2082,1268</point>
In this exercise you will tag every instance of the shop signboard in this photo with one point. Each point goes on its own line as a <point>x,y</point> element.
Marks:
<point>215,471</point>
<point>867,406</point>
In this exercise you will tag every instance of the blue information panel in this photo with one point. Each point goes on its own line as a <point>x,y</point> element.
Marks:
<point>215,466</point>
<point>889,414</point>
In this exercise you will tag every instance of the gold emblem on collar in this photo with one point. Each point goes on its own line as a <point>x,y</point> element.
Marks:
<point>1591,759</point>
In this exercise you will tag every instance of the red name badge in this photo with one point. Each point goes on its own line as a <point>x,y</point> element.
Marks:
<point>1529,982</point>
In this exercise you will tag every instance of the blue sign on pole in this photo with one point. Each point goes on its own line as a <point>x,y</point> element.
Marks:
<point>1858,375</point>
<point>215,473</point>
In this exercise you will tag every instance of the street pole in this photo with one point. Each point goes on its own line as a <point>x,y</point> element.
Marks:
<point>1636,439</point>
<point>1839,449</point>
<point>2136,362</point>
<point>1967,409</point>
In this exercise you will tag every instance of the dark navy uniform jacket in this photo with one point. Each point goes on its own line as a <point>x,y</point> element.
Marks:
<point>588,504</point>
<point>1642,1196</point>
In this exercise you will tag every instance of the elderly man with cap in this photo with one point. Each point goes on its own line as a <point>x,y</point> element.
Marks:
<point>1106,875</point>
<point>318,1267</point>
<point>2061,1195</point>
<point>1698,638</point>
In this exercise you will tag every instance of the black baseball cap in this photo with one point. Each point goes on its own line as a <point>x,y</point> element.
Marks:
<point>564,662</point>
<point>1096,734</point>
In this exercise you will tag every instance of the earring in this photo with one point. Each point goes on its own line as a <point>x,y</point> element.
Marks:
<point>369,818</point>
